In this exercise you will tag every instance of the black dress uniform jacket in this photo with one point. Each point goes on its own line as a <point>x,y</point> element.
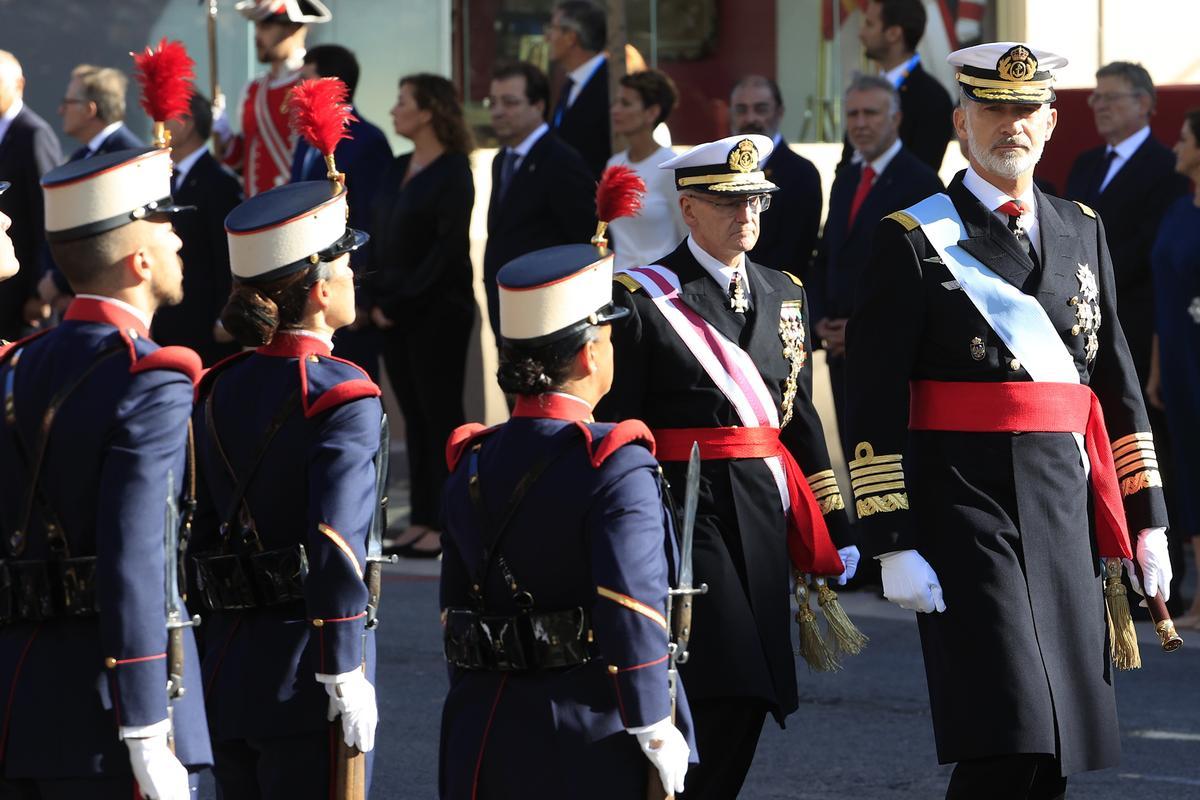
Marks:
<point>1018,662</point>
<point>741,641</point>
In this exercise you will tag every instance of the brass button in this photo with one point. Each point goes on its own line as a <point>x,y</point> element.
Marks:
<point>1014,365</point>
<point>1074,301</point>
<point>612,669</point>
<point>110,662</point>
<point>1075,330</point>
<point>317,623</point>
<point>133,334</point>
<point>313,359</point>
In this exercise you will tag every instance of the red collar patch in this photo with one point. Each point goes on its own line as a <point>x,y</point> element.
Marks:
<point>553,405</point>
<point>292,346</point>
<point>85,309</point>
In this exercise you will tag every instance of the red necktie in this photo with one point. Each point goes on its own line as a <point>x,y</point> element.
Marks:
<point>860,194</point>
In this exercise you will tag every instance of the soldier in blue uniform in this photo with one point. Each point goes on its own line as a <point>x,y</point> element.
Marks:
<point>286,435</point>
<point>92,446</point>
<point>556,561</point>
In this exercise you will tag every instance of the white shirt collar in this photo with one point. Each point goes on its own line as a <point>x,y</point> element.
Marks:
<point>576,398</point>
<point>185,165</point>
<point>138,314</point>
<point>1129,146</point>
<point>720,272</point>
<point>524,147</point>
<point>98,139</point>
<point>581,75</point>
<point>13,110</point>
<point>885,158</point>
<point>320,337</point>
<point>898,73</point>
<point>993,198</point>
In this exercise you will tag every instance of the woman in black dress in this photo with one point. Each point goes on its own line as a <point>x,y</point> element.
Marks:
<point>421,287</point>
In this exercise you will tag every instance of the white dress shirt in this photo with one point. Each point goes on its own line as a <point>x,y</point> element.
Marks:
<point>721,273</point>
<point>526,145</point>
<point>993,198</point>
<point>97,140</point>
<point>581,75</point>
<point>658,227</point>
<point>1124,151</point>
<point>185,166</point>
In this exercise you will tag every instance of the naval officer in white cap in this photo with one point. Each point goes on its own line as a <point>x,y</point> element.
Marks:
<point>717,350</point>
<point>992,307</point>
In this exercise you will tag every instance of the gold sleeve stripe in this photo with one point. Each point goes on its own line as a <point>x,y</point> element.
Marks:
<point>1144,463</point>
<point>820,476</point>
<point>823,483</point>
<point>863,491</point>
<point>341,544</point>
<point>878,477</point>
<point>882,469</point>
<point>865,456</point>
<point>1140,481</point>
<point>1133,437</point>
<point>1125,450</point>
<point>1134,457</point>
<point>828,490</point>
<point>632,605</point>
<point>628,282</point>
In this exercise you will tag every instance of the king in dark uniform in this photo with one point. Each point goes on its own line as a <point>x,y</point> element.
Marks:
<point>717,350</point>
<point>992,307</point>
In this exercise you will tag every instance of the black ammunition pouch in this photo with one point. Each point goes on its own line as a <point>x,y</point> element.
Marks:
<point>528,641</point>
<point>238,582</point>
<point>35,590</point>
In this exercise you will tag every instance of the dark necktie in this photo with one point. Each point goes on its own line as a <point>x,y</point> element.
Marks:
<point>81,153</point>
<point>860,194</point>
<point>1015,210</point>
<point>561,107</point>
<point>508,168</point>
<point>1101,173</point>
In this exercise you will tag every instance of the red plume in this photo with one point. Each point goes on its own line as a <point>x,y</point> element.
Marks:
<point>320,112</point>
<point>166,75</point>
<point>619,194</point>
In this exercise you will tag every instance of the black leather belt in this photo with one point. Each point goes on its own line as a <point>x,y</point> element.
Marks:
<point>531,640</point>
<point>33,590</point>
<point>237,582</point>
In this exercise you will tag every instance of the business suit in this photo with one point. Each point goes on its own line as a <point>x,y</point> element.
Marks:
<point>120,139</point>
<point>205,254</point>
<point>585,124</point>
<point>788,229</point>
<point>845,248</point>
<point>927,124</point>
<point>364,157</point>
<point>550,201</point>
<point>28,150</point>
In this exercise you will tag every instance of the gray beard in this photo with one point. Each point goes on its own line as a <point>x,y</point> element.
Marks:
<point>1009,166</point>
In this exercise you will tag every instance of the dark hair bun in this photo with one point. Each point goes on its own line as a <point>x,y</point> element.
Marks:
<point>523,376</point>
<point>250,316</point>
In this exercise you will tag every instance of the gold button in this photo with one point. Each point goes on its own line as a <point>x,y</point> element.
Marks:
<point>313,359</point>
<point>1075,330</point>
<point>317,623</point>
<point>1014,365</point>
<point>1074,301</point>
<point>612,669</point>
<point>110,662</point>
<point>133,334</point>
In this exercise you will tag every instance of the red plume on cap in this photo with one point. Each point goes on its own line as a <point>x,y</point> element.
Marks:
<point>321,115</point>
<point>166,75</point>
<point>619,194</point>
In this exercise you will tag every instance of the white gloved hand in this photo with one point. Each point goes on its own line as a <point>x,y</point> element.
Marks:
<point>850,557</point>
<point>909,582</point>
<point>159,774</point>
<point>667,750</point>
<point>352,697</point>
<point>220,120</point>
<point>1155,561</point>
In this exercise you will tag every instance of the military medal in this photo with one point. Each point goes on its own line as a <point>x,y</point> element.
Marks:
<point>791,331</point>
<point>737,293</point>
<point>977,350</point>
<point>1087,311</point>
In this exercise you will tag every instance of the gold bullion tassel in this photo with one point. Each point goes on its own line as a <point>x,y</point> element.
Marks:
<point>813,646</point>
<point>332,170</point>
<point>1121,634</point>
<point>847,638</point>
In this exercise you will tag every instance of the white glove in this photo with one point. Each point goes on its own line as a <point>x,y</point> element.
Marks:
<point>850,557</point>
<point>159,774</point>
<point>667,750</point>
<point>220,121</point>
<point>1155,561</point>
<point>352,696</point>
<point>909,582</point>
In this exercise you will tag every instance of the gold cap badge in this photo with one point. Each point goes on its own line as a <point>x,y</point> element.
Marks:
<point>744,157</point>
<point>1018,64</point>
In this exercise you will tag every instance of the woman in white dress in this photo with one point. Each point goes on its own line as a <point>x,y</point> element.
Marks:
<point>645,101</point>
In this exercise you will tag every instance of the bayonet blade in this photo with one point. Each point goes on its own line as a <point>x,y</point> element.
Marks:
<point>379,519</point>
<point>691,498</point>
<point>171,549</point>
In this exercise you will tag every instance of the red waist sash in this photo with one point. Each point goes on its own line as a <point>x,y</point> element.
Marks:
<point>1032,406</point>
<point>809,546</point>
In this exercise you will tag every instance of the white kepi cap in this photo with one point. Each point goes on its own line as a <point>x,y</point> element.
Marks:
<point>552,293</point>
<point>726,166</point>
<point>1006,72</point>
<point>99,194</point>
<point>303,11</point>
<point>288,228</point>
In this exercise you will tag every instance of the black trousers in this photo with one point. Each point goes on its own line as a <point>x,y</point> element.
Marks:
<point>727,731</point>
<point>98,788</point>
<point>282,768</point>
<point>426,361</point>
<point>1024,776</point>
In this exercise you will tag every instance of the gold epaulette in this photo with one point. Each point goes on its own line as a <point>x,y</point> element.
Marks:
<point>1085,209</point>
<point>877,482</point>
<point>1136,462</point>
<point>905,219</point>
<point>795,280</point>
<point>628,282</point>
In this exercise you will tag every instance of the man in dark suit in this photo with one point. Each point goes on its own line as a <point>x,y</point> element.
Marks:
<point>884,178</point>
<point>200,181</point>
<point>890,33</point>
<point>788,230</point>
<point>364,157</point>
<point>1130,181</point>
<point>28,149</point>
<point>576,37</point>
<point>542,191</point>
<point>93,114</point>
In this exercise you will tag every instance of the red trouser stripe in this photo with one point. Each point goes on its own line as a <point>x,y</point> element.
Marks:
<point>809,546</point>
<point>1032,406</point>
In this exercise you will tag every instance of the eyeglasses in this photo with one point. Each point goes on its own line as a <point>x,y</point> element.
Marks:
<point>1105,98</point>
<point>757,203</point>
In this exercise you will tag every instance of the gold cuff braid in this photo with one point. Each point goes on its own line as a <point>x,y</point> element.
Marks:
<point>879,504</point>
